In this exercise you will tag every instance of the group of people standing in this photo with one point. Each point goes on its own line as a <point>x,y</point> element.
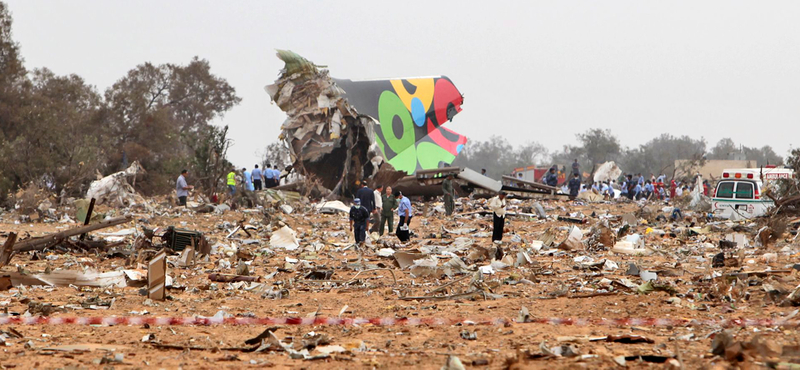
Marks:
<point>257,179</point>
<point>381,206</point>
<point>368,204</point>
<point>634,187</point>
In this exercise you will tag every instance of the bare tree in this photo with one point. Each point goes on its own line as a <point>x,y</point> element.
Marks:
<point>276,153</point>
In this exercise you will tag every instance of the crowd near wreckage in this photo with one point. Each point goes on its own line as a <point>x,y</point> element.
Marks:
<point>594,282</point>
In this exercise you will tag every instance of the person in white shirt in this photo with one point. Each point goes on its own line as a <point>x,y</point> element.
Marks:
<point>498,207</point>
<point>607,191</point>
<point>377,212</point>
<point>257,176</point>
<point>182,188</point>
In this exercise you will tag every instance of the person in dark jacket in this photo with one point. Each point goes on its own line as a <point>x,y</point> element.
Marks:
<point>367,197</point>
<point>359,221</point>
<point>552,177</point>
<point>449,195</point>
<point>576,168</point>
<point>631,184</point>
<point>574,186</point>
<point>498,207</point>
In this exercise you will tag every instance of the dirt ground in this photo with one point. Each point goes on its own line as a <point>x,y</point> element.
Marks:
<point>550,285</point>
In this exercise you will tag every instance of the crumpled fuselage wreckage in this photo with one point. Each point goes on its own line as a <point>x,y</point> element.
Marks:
<point>342,131</point>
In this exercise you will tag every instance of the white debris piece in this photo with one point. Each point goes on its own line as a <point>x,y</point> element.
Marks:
<point>285,238</point>
<point>385,252</point>
<point>610,265</point>
<point>453,363</point>
<point>635,239</point>
<point>123,232</point>
<point>647,275</point>
<point>332,207</point>
<point>574,240</point>
<point>330,349</point>
<point>738,238</point>
<point>71,277</point>
<point>607,171</point>
<point>460,231</point>
<point>699,202</point>
<point>628,247</point>
<point>118,236</point>
<point>425,267</point>
<point>114,189</point>
<point>583,259</point>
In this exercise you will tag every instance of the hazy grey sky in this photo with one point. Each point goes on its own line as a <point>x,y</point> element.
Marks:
<point>530,70</point>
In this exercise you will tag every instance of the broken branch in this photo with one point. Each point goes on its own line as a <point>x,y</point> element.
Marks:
<point>44,241</point>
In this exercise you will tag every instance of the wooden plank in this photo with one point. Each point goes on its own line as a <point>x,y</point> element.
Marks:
<point>8,249</point>
<point>157,277</point>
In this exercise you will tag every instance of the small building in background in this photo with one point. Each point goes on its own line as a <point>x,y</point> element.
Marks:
<point>535,174</point>
<point>710,169</point>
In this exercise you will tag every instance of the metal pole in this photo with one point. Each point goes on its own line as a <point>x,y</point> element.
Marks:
<point>88,217</point>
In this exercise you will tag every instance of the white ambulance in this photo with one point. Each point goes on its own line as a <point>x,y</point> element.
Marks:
<point>738,192</point>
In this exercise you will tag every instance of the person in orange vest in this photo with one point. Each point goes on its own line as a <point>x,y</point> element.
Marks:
<point>672,186</point>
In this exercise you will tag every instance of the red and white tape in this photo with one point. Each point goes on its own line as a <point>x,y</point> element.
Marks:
<point>384,321</point>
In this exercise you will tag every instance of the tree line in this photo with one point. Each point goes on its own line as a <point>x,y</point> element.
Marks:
<point>597,146</point>
<point>58,132</point>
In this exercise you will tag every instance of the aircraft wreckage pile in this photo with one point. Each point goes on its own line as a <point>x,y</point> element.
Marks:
<point>340,132</point>
<point>326,135</point>
<point>289,256</point>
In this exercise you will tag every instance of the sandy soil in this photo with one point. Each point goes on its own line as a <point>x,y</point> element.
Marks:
<point>556,290</point>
